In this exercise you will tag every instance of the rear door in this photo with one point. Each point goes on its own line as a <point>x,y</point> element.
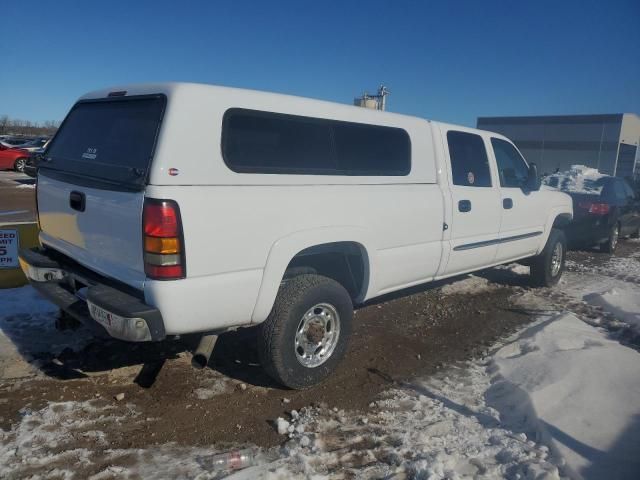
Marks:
<point>475,201</point>
<point>91,184</point>
<point>523,212</point>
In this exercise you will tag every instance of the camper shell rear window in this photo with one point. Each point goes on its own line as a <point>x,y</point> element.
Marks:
<point>110,140</point>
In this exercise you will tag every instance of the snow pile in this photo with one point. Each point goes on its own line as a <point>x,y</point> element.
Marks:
<point>613,289</point>
<point>579,179</point>
<point>563,383</point>
<point>623,302</point>
<point>470,285</point>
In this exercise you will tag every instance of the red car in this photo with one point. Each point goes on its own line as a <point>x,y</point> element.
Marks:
<point>13,158</point>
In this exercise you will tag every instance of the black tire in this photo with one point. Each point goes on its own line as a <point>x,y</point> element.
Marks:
<point>277,334</point>
<point>609,246</point>
<point>543,273</point>
<point>19,164</point>
<point>636,234</point>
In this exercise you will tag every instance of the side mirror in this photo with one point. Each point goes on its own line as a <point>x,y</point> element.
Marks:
<point>533,180</point>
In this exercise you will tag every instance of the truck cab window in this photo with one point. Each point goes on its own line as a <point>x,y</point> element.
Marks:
<point>469,162</point>
<point>512,168</point>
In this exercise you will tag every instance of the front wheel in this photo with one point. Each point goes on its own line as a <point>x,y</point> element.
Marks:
<point>19,165</point>
<point>609,245</point>
<point>306,334</point>
<point>547,267</point>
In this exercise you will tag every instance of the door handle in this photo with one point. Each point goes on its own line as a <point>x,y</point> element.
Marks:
<point>77,201</point>
<point>464,206</point>
<point>507,203</point>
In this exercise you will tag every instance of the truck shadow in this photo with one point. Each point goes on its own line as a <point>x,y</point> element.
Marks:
<point>77,352</point>
<point>236,356</point>
<point>505,277</point>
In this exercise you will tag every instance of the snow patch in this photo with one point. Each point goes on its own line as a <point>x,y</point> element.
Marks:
<point>51,437</point>
<point>27,331</point>
<point>212,387</point>
<point>470,285</point>
<point>437,428</point>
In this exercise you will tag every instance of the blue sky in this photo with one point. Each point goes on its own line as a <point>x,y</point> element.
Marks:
<point>445,60</point>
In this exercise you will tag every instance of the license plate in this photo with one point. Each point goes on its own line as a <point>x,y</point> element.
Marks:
<point>104,317</point>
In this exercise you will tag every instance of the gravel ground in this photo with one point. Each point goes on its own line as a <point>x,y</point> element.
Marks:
<point>234,402</point>
<point>157,399</point>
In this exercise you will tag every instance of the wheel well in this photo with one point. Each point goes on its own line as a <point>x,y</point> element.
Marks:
<point>345,262</point>
<point>562,220</point>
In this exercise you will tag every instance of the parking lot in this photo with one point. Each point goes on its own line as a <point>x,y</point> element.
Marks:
<point>114,405</point>
<point>17,200</point>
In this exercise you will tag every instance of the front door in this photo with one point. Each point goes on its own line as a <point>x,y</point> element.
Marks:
<point>475,203</point>
<point>523,212</point>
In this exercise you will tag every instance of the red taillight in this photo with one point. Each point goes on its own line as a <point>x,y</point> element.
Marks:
<point>161,219</point>
<point>166,272</point>
<point>162,245</point>
<point>595,208</point>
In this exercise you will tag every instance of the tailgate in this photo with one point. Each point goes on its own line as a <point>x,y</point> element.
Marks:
<point>106,237</point>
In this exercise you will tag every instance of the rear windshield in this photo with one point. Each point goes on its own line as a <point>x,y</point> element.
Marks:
<point>580,185</point>
<point>111,141</point>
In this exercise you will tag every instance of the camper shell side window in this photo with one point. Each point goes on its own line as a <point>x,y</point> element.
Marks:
<point>276,143</point>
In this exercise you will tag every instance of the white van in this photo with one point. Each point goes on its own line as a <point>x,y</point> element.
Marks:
<point>170,209</point>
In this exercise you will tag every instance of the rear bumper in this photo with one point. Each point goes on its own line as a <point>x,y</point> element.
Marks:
<point>92,299</point>
<point>588,231</point>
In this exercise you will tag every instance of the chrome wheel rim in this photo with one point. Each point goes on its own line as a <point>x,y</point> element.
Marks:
<point>20,164</point>
<point>317,335</point>
<point>556,259</point>
<point>614,237</point>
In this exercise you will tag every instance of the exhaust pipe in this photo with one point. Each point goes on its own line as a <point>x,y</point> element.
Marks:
<point>203,352</point>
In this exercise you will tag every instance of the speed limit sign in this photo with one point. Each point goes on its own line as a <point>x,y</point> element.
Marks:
<point>9,241</point>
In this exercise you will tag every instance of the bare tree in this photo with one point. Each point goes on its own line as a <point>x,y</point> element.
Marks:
<point>16,126</point>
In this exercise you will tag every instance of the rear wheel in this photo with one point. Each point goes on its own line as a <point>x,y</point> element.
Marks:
<point>19,165</point>
<point>609,246</point>
<point>547,267</point>
<point>306,334</point>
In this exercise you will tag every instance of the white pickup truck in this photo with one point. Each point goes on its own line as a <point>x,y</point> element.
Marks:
<point>172,209</point>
